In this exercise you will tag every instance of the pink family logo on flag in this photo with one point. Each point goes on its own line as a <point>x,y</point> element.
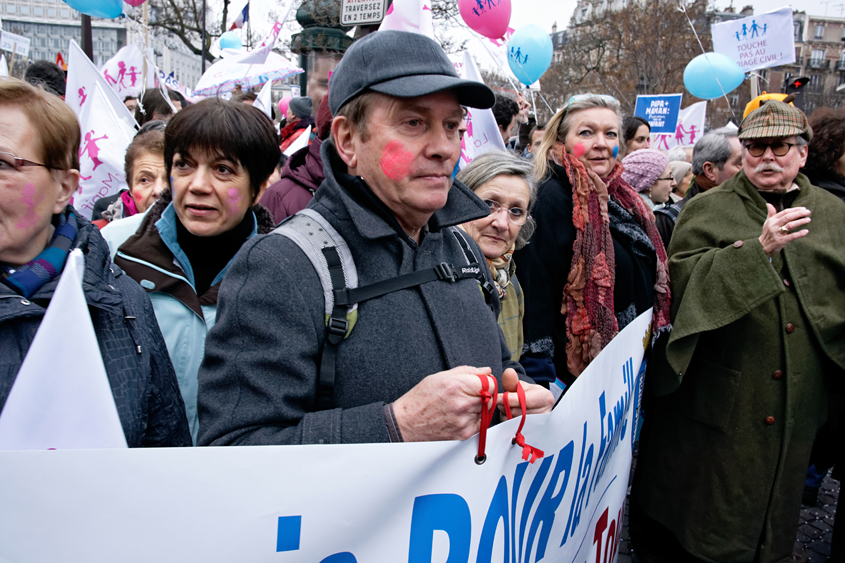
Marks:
<point>124,72</point>
<point>409,15</point>
<point>482,133</point>
<point>689,129</point>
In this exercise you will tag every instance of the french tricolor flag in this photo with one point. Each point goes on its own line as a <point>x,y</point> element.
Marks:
<point>242,18</point>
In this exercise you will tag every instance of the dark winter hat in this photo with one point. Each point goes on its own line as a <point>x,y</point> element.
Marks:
<point>775,119</point>
<point>404,65</point>
<point>643,168</point>
<point>301,107</point>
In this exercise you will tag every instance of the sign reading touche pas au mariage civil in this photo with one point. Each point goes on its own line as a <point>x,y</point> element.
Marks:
<point>757,41</point>
<point>661,112</point>
<point>362,12</point>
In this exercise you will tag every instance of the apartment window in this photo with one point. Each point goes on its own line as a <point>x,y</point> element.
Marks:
<point>25,10</point>
<point>65,13</point>
<point>797,27</point>
<point>51,12</point>
<point>11,9</point>
<point>819,31</point>
<point>38,11</point>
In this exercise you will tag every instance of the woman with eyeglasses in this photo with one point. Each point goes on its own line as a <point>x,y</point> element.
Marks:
<point>39,173</point>
<point>506,184</point>
<point>596,260</point>
<point>649,173</point>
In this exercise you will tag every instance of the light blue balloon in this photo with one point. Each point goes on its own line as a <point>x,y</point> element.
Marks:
<point>108,9</point>
<point>230,40</point>
<point>529,53</point>
<point>711,75</point>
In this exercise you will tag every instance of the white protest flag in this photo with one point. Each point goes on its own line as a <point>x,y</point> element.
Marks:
<point>4,69</point>
<point>299,142</point>
<point>409,15</point>
<point>124,72</point>
<point>81,77</point>
<point>264,99</point>
<point>758,41</point>
<point>482,132</point>
<point>102,151</point>
<point>153,70</point>
<point>258,56</point>
<point>689,130</point>
<point>61,397</point>
<point>410,502</point>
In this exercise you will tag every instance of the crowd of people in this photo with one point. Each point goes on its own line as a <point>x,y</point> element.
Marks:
<point>360,292</point>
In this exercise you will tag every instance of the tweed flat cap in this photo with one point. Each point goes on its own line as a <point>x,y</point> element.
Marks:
<point>775,119</point>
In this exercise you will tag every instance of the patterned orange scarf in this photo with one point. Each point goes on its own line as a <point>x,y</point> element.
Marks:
<point>588,295</point>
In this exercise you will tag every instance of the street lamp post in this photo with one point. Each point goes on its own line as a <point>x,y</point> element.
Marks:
<point>203,36</point>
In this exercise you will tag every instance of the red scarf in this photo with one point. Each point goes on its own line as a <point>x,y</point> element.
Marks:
<point>588,295</point>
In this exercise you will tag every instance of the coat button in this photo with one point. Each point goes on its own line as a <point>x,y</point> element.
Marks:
<point>777,374</point>
<point>738,244</point>
<point>25,302</point>
<point>770,420</point>
<point>786,283</point>
<point>790,328</point>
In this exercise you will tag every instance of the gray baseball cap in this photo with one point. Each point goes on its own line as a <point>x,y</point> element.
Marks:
<point>404,65</point>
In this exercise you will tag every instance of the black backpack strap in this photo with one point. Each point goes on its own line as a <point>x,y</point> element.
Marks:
<point>335,331</point>
<point>486,286</point>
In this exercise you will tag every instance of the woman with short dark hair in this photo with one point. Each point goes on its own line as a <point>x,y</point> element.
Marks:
<point>218,156</point>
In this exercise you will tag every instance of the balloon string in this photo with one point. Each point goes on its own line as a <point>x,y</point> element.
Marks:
<point>496,60</point>
<point>545,102</point>
<point>706,58</point>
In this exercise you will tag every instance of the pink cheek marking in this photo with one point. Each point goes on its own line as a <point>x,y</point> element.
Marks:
<point>578,150</point>
<point>234,198</point>
<point>28,197</point>
<point>395,161</point>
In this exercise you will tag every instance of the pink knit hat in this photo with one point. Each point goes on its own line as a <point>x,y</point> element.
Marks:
<point>643,168</point>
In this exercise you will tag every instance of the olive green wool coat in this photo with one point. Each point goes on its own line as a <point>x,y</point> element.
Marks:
<point>745,375</point>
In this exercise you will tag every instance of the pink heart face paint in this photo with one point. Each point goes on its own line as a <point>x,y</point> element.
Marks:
<point>30,199</point>
<point>578,150</point>
<point>396,160</point>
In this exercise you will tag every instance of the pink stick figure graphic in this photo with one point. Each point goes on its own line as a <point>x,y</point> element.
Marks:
<point>108,77</point>
<point>692,133</point>
<point>133,74</point>
<point>92,148</point>
<point>82,96</point>
<point>121,74</point>
<point>679,133</point>
<point>662,139</point>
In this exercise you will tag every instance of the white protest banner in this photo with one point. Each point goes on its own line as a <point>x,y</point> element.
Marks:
<point>409,15</point>
<point>15,43</point>
<point>102,151</point>
<point>264,99</point>
<point>689,130</point>
<point>299,142</point>
<point>414,502</point>
<point>258,56</point>
<point>61,397</point>
<point>760,41</point>
<point>4,69</point>
<point>81,77</point>
<point>124,72</point>
<point>482,132</point>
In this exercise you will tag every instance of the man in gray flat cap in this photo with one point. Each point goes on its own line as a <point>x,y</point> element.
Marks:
<point>755,356</point>
<point>403,351</point>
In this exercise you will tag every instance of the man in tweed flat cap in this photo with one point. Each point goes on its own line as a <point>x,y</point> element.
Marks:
<point>743,383</point>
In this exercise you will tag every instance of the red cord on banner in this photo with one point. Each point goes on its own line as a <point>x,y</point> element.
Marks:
<point>486,416</point>
<point>527,451</point>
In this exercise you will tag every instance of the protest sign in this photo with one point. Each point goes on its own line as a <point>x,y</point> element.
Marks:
<point>124,72</point>
<point>66,404</point>
<point>81,77</point>
<point>15,43</point>
<point>661,112</point>
<point>482,132</point>
<point>102,151</point>
<point>759,41</point>
<point>689,130</point>
<point>414,502</point>
<point>409,15</point>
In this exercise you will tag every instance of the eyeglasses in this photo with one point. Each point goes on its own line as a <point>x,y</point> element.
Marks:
<point>778,149</point>
<point>516,215</point>
<point>9,162</point>
<point>667,178</point>
<point>582,97</point>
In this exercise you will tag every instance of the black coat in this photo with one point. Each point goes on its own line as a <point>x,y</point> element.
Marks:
<point>144,384</point>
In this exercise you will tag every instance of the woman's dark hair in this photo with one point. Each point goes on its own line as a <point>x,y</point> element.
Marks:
<point>235,131</point>
<point>827,144</point>
<point>154,103</point>
<point>178,97</point>
<point>630,125</point>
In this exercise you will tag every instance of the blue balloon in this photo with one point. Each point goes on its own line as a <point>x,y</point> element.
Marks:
<point>712,75</point>
<point>529,53</point>
<point>230,40</point>
<point>98,8</point>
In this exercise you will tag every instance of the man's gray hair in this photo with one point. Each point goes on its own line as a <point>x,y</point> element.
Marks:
<point>712,147</point>
<point>501,163</point>
<point>677,154</point>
